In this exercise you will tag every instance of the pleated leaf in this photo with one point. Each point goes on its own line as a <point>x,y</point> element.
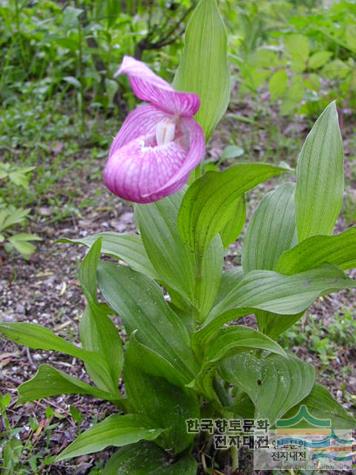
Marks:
<point>225,343</point>
<point>206,206</point>
<point>128,247</point>
<point>320,177</point>
<point>49,382</point>
<point>234,226</point>
<point>172,262</point>
<point>145,458</point>
<point>203,67</point>
<point>235,338</point>
<point>275,384</point>
<point>41,338</point>
<point>97,331</point>
<point>271,230</point>
<point>276,293</point>
<point>167,405</point>
<point>322,405</point>
<point>339,250</point>
<point>140,304</point>
<point>115,431</point>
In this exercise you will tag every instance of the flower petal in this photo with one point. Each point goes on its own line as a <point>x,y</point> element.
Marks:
<point>194,157</point>
<point>149,87</point>
<point>140,171</point>
<point>141,121</point>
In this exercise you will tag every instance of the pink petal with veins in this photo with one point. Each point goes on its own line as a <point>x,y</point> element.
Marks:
<point>140,170</point>
<point>149,87</point>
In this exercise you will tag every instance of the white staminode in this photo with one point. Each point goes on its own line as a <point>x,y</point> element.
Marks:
<point>165,132</point>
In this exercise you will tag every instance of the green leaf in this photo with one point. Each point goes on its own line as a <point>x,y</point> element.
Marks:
<point>49,382</point>
<point>40,338</point>
<point>312,81</point>
<point>294,94</point>
<point>167,405</point>
<point>229,280</point>
<point>276,293</point>
<point>208,277</point>
<point>206,209</point>
<point>322,405</point>
<point>145,458</point>
<point>234,226</point>
<point>203,67</point>
<point>232,151</point>
<point>298,49</point>
<point>116,431</point>
<point>153,363</point>
<point>339,250</point>
<point>278,84</point>
<point>275,384</point>
<point>98,334</point>
<point>229,340</point>
<point>320,177</point>
<point>140,304</point>
<point>128,247</point>
<point>317,60</point>
<point>273,324</point>
<point>225,343</point>
<point>171,260</point>
<point>21,242</point>
<point>11,215</point>
<point>271,230</point>
<point>336,69</point>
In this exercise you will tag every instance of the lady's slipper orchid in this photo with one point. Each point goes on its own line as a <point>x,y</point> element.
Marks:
<point>159,143</point>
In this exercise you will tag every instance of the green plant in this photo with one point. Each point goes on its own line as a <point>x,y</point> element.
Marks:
<point>20,450</point>
<point>324,341</point>
<point>306,65</point>
<point>10,216</point>
<point>178,359</point>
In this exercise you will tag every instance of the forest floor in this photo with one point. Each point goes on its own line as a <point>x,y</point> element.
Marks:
<point>46,290</point>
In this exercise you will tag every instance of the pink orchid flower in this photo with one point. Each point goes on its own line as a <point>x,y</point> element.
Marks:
<point>159,143</point>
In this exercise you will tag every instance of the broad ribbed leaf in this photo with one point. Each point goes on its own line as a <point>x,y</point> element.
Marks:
<point>171,260</point>
<point>167,405</point>
<point>197,283</point>
<point>208,277</point>
<point>229,280</point>
<point>276,293</point>
<point>97,332</point>
<point>273,324</point>
<point>236,338</point>
<point>227,342</point>
<point>206,206</point>
<point>116,431</point>
<point>271,230</point>
<point>233,227</point>
<point>40,338</point>
<point>275,384</point>
<point>339,250</point>
<point>145,458</point>
<point>128,247</point>
<point>322,405</point>
<point>320,177</point>
<point>49,382</point>
<point>140,304</point>
<point>153,363</point>
<point>203,67</point>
